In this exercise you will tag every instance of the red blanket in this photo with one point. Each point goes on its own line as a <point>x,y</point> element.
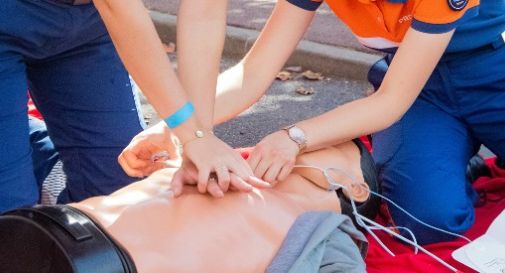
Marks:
<point>492,190</point>
<point>32,110</point>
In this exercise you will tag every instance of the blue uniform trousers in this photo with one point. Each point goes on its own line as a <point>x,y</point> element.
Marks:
<point>65,57</point>
<point>422,158</point>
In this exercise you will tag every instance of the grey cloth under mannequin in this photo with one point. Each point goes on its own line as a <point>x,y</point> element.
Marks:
<point>323,242</point>
<point>143,228</point>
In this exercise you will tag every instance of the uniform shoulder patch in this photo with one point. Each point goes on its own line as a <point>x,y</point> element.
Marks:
<point>457,5</point>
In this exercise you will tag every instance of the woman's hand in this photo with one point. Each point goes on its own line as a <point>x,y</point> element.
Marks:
<point>187,175</point>
<point>273,157</point>
<point>148,150</point>
<point>218,165</point>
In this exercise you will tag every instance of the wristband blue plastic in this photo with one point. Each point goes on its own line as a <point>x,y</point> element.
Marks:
<point>179,117</point>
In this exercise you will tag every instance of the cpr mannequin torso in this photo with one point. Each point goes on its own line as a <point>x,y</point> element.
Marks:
<point>241,232</point>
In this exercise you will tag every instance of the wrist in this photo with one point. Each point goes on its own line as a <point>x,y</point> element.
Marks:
<point>181,116</point>
<point>187,130</point>
<point>297,136</point>
<point>196,136</point>
<point>290,141</point>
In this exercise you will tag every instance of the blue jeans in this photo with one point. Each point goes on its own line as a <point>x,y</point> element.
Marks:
<point>65,57</point>
<point>423,157</point>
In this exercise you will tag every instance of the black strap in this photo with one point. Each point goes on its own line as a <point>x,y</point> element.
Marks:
<point>79,237</point>
<point>74,2</point>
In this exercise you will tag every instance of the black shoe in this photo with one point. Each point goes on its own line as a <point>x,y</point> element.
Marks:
<point>476,168</point>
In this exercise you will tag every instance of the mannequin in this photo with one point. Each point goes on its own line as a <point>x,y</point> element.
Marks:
<point>240,232</point>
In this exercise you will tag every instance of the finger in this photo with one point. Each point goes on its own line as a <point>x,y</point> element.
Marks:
<point>286,170</point>
<point>192,174</point>
<point>203,179</point>
<point>223,177</point>
<point>257,182</point>
<point>214,189</point>
<point>128,170</point>
<point>254,159</point>
<point>134,161</point>
<point>240,184</point>
<point>178,183</point>
<point>262,167</point>
<point>272,173</point>
<point>160,156</point>
<point>233,188</point>
<point>238,165</point>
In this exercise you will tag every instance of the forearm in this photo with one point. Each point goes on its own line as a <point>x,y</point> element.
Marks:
<point>351,120</point>
<point>201,29</point>
<point>238,88</point>
<point>242,85</point>
<point>141,51</point>
<point>411,67</point>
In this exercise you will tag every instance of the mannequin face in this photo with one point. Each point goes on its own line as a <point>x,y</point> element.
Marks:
<point>241,232</point>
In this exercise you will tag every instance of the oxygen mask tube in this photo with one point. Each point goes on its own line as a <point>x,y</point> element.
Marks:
<point>370,225</point>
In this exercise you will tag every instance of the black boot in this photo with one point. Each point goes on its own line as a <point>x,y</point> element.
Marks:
<point>476,168</point>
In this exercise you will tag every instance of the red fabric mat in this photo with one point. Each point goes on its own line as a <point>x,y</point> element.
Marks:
<point>492,190</point>
<point>32,110</point>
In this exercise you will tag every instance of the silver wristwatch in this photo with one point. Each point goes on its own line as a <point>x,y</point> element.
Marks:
<point>297,135</point>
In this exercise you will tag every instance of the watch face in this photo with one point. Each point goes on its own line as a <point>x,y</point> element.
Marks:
<point>297,135</point>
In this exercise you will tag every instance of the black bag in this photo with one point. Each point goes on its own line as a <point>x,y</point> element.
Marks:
<point>58,239</point>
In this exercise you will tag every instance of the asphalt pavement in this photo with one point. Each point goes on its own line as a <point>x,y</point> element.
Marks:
<point>281,106</point>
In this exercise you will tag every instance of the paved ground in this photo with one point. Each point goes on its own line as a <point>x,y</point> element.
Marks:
<point>252,14</point>
<point>282,106</point>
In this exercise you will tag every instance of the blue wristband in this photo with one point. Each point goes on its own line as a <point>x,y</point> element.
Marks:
<point>179,117</point>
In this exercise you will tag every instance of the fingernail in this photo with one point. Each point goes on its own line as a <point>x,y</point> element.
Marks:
<point>176,193</point>
<point>264,183</point>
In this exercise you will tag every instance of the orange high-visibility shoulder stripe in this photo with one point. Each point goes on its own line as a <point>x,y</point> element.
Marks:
<point>382,24</point>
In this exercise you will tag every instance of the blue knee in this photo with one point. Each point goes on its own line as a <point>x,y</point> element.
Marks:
<point>448,218</point>
<point>435,198</point>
